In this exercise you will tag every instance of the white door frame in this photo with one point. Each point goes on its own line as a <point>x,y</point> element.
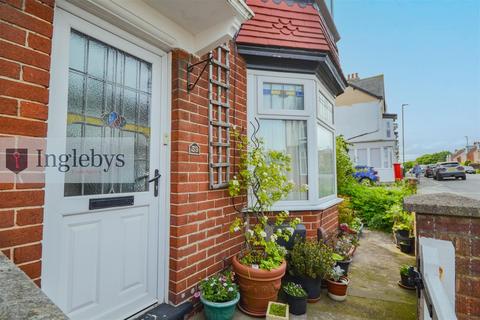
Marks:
<point>58,87</point>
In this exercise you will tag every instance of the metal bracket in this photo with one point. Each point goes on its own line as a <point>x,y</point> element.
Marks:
<point>208,61</point>
<point>418,281</point>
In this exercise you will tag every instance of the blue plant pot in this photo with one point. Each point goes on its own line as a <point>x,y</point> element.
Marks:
<point>219,310</point>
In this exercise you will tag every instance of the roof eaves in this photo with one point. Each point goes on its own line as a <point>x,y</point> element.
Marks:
<point>365,91</point>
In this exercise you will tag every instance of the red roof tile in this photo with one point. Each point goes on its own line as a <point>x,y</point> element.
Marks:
<point>279,24</point>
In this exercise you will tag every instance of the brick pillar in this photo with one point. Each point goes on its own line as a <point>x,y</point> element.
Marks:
<point>454,218</point>
<point>25,46</point>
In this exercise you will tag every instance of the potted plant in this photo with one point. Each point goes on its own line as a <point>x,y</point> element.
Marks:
<point>277,311</point>
<point>309,262</point>
<point>337,284</point>
<point>261,264</point>
<point>402,223</point>
<point>406,246</point>
<point>219,295</point>
<point>406,281</point>
<point>344,248</point>
<point>357,225</point>
<point>296,298</point>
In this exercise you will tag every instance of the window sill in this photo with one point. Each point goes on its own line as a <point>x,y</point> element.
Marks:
<point>308,206</point>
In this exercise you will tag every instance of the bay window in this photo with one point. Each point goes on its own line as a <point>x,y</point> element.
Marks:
<point>295,113</point>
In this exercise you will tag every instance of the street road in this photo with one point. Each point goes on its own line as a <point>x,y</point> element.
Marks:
<point>468,188</point>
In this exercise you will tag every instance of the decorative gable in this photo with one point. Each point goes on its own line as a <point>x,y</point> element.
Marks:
<point>288,24</point>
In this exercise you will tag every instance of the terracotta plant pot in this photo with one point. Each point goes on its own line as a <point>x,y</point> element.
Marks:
<point>257,287</point>
<point>338,290</point>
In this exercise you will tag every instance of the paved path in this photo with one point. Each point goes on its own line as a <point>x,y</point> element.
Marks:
<point>373,292</point>
<point>468,188</point>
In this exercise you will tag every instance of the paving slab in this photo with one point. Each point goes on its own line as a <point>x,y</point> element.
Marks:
<point>373,292</point>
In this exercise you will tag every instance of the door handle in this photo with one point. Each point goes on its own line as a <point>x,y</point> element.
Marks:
<point>155,179</point>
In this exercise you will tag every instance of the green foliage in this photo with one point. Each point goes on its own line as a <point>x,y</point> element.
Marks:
<point>294,290</point>
<point>262,174</point>
<point>278,309</point>
<point>409,165</point>
<point>344,166</point>
<point>372,203</point>
<point>404,269</point>
<point>402,220</point>
<point>346,214</point>
<point>311,259</point>
<point>219,288</point>
<point>433,157</point>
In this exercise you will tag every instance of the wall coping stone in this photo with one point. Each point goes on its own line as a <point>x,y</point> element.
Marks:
<point>20,298</point>
<point>446,204</point>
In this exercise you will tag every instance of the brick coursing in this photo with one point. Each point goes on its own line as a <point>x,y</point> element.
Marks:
<point>464,233</point>
<point>200,241</point>
<point>25,46</point>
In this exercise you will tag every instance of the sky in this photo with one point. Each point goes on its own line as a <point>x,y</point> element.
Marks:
<point>429,53</point>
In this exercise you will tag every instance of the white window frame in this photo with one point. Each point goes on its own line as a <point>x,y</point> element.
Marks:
<point>312,87</point>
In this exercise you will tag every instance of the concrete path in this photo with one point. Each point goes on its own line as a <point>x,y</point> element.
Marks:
<point>467,188</point>
<point>373,293</point>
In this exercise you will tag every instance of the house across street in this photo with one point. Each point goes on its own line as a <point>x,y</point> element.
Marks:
<point>467,188</point>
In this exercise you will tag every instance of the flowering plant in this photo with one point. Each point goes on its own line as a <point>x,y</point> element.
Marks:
<point>294,290</point>
<point>219,288</point>
<point>263,177</point>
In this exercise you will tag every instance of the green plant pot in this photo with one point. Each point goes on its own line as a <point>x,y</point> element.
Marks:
<point>219,310</point>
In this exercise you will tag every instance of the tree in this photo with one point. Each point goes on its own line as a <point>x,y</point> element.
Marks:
<point>432,157</point>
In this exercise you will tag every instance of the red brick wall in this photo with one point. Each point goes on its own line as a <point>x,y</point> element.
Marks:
<point>200,242</point>
<point>464,232</point>
<point>326,219</point>
<point>25,45</point>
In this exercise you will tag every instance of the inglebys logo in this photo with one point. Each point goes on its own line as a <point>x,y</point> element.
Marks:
<point>66,161</point>
<point>16,160</point>
<point>71,160</point>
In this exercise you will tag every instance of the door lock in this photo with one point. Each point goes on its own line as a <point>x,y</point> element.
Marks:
<point>155,182</point>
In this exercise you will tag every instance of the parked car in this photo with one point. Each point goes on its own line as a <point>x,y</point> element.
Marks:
<point>429,170</point>
<point>366,174</point>
<point>470,170</point>
<point>423,167</point>
<point>449,169</point>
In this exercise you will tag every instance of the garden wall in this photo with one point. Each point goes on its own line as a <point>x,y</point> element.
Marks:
<point>25,47</point>
<point>454,218</point>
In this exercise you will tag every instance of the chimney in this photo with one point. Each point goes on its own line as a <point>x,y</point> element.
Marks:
<point>353,76</point>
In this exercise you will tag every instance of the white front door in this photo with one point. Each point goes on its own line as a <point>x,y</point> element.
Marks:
<point>103,262</point>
